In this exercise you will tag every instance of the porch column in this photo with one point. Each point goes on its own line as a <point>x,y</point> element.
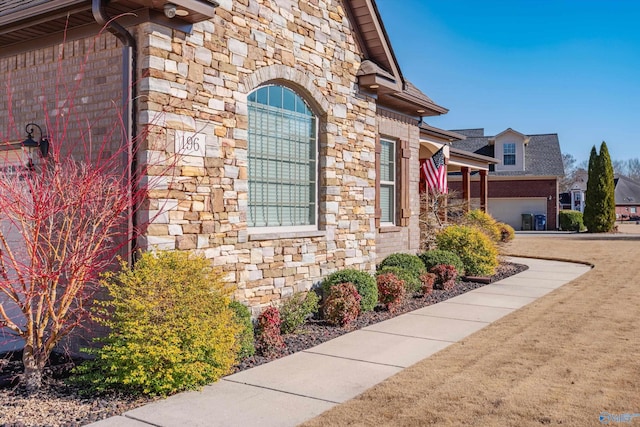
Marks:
<point>484,198</point>
<point>466,186</point>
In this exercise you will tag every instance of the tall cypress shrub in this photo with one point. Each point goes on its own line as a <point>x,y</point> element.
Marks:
<point>600,206</point>
<point>608,220</point>
<point>591,195</point>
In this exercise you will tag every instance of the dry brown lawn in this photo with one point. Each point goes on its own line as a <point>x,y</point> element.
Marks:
<point>563,359</point>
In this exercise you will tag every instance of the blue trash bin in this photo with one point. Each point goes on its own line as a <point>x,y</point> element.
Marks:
<point>541,222</point>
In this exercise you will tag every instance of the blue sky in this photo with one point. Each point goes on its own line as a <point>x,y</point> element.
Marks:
<point>569,67</point>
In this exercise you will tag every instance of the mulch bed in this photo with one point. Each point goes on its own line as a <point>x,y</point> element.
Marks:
<point>61,404</point>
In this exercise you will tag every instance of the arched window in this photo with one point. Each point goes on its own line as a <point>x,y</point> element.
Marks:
<point>282,157</point>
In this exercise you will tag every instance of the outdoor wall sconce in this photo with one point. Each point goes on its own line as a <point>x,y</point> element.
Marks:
<point>41,145</point>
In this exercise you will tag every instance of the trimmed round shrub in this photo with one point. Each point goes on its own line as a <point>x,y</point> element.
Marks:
<point>485,222</point>
<point>408,262</point>
<point>478,253</point>
<point>171,327</point>
<point>438,256</point>
<point>411,282</point>
<point>571,221</point>
<point>245,337</point>
<point>427,280</point>
<point>269,341</point>
<point>507,233</point>
<point>391,290</point>
<point>364,282</point>
<point>342,304</point>
<point>445,276</point>
<point>297,309</point>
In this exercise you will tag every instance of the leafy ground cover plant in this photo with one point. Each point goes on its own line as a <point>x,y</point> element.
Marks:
<point>391,290</point>
<point>171,327</point>
<point>297,309</point>
<point>364,282</point>
<point>477,252</point>
<point>268,337</point>
<point>342,304</point>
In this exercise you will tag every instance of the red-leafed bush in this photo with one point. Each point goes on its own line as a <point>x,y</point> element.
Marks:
<point>391,290</point>
<point>342,305</point>
<point>445,276</point>
<point>427,280</point>
<point>269,341</point>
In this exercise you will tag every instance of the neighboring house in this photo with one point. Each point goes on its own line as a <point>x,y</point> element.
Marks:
<point>525,182</point>
<point>308,135</point>
<point>627,199</point>
<point>574,198</point>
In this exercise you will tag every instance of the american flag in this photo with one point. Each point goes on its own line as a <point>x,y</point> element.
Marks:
<point>435,172</point>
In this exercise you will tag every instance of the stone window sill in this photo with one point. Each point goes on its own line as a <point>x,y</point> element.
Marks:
<point>389,229</point>
<point>286,235</point>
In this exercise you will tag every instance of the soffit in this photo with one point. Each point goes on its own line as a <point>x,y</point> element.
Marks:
<point>25,20</point>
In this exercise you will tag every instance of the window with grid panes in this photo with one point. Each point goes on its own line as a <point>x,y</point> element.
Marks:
<point>387,181</point>
<point>282,171</point>
<point>509,153</point>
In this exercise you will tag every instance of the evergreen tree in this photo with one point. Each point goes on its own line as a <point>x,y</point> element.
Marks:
<point>608,220</point>
<point>591,196</point>
<point>600,206</point>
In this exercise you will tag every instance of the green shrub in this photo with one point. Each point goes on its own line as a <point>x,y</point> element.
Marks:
<point>408,262</point>
<point>411,282</point>
<point>485,222</point>
<point>507,233</point>
<point>363,281</point>
<point>571,221</point>
<point>269,341</point>
<point>342,304</point>
<point>245,336</point>
<point>478,253</point>
<point>391,290</point>
<point>297,309</point>
<point>171,327</point>
<point>438,256</point>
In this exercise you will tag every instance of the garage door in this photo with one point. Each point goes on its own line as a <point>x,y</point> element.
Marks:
<point>510,210</point>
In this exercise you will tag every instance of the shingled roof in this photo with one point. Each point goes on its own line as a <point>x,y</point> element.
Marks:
<point>542,154</point>
<point>627,191</point>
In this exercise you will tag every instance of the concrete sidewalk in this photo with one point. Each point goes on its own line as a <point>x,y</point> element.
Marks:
<point>296,388</point>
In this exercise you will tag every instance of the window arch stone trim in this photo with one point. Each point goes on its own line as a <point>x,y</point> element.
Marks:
<point>287,76</point>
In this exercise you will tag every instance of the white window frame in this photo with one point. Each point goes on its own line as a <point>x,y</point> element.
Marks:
<point>505,153</point>
<point>389,184</point>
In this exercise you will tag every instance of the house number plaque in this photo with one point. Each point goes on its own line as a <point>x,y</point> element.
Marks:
<point>190,143</point>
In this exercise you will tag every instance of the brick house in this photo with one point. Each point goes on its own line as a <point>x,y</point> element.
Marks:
<point>524,182</point>
<point>299,137</point>
<point>627,194</point>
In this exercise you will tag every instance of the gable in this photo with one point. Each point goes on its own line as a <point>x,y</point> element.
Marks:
<point>542,154</point>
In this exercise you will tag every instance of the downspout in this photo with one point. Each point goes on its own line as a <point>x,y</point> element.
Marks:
<point>129,110</point>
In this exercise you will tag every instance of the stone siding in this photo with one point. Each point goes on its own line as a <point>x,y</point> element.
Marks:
<point>195,87</point>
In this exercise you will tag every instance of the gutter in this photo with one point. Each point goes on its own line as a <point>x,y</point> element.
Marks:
<point>129,110</point>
